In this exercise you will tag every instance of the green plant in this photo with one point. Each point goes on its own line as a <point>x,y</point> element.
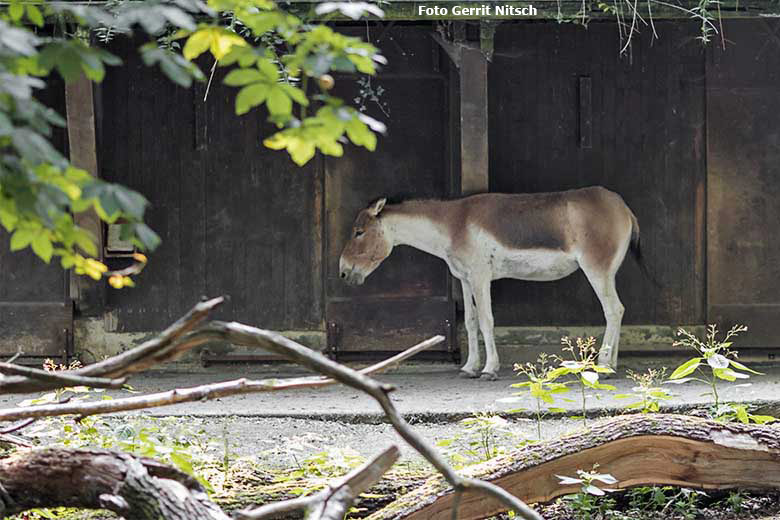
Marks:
<point>484,436</point>
<point>591,500</point>
<point>541,386</point>
<point>686,503</point>
<point>647,391</point>
<point>716,361</point>
<point>649,498</point>
<point>583,366</point>
<point>739,413</point>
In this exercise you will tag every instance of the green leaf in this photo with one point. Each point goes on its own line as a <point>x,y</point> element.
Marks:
<point>740,366</point>
<point>182,462</point>
<point>279,103</point>
<point>16,10</point>
<point>742,415</point>
<point>197,44</point>
<point>686,368</point>
<point>295,93</point>
<point>270,70</point>
<point>34,147</point>
<point>358,133</point>
<point>85,242</point>
<point>728,374</point>
<point>42,246</point>
<point>148,238</point>
<point>21,239</point>
<point>34,14</point>
<point>241,77</point>
<point>251,96</point>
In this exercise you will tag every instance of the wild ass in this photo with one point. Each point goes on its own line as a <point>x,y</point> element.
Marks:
<point>539,237</point>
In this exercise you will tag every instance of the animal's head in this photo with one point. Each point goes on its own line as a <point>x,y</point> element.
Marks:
<point>368,245</point>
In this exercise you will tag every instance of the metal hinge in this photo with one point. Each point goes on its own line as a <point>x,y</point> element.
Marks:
<point>333,339</point>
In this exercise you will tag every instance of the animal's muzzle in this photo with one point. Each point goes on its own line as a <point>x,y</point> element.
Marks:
<point>351,277</point>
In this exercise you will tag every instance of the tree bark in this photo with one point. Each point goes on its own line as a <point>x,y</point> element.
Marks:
<point>637,450</point>
<point>133,487</point>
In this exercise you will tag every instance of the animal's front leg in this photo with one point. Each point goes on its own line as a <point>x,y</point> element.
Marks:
<point>470,369</point>
<point>485,313</point>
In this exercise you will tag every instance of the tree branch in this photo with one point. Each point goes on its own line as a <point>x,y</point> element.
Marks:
<point>198,393</point>
<point>60,378</point>
<point>333,502</point>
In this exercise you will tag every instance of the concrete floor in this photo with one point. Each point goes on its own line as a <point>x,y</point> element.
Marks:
<point>425,392</point>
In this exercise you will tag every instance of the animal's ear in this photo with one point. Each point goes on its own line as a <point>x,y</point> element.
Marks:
<point>376,207</point>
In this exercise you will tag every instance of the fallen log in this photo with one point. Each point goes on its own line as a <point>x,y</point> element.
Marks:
<point>638,450</point>
<point>135,488</point>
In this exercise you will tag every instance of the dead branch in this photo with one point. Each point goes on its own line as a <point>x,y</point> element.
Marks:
<point>198,393</point>
<point>333,502</point>
<point>638,450</point>
<point>148,354</point>
<point>60,378</point>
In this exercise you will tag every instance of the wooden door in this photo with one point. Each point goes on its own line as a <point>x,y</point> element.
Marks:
<point>408,297</point>
<point>36,313</point>
<point>743,162</point>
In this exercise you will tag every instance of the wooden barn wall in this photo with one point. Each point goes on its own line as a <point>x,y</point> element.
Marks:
<point>647,142</point>
<point>743,103</point>
<point>235,217</point>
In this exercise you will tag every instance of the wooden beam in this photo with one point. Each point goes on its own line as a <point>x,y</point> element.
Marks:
<point>80,107</point>
<point>473,121</point>
<point>545,10</point>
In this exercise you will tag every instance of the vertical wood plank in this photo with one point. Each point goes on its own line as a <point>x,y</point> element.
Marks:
<point>82,143</point>
<point>586,112</point>
<point>473,122</point>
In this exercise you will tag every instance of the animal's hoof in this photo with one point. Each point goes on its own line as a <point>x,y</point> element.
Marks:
<point>467,374</point>
<point>488,376</point>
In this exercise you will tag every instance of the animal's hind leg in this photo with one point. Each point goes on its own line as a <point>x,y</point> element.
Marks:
<point>603,284</point>
<point>485,313</point>
<point>470,369</point>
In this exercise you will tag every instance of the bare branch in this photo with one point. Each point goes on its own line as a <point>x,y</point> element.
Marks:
<point>198,393</point>
<point>17,427</point>
<point>334,501</point>
<point>61,378</point>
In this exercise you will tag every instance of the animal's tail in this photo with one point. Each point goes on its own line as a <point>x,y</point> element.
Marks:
<point>637,251</point>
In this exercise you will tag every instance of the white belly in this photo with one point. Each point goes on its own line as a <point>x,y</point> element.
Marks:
<point>539,265</point>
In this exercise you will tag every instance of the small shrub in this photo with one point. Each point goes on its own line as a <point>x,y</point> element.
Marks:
<point>541,386</point>
<point>647,391</point>
<point>715,361</point>
<point>591,500</point>
<point>583,366</point>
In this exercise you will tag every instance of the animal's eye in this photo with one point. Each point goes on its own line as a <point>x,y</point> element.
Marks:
<point>358,232</point>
